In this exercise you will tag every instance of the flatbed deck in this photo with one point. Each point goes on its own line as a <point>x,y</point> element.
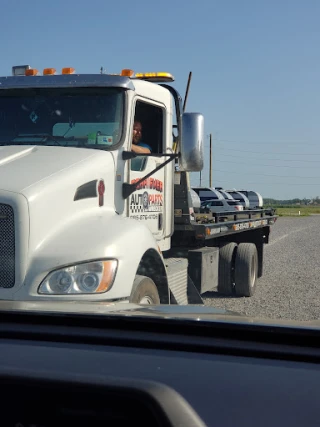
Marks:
<point>208,226</point>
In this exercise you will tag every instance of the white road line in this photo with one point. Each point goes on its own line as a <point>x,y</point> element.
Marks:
<point>286,235</point>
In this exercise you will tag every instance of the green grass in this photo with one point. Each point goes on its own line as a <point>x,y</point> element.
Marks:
<point>294,210</point>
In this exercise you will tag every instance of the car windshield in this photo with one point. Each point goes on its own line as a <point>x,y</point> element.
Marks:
<point>95,200</point>
<point>79,117</point>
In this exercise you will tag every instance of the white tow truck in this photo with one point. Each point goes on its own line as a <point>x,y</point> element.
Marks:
<point>84,218</point>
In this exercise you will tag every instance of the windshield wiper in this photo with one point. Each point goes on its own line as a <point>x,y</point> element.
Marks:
<point>45,136</point>
<point>24,139</point>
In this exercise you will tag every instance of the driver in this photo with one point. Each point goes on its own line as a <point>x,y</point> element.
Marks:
<point>137,145</point>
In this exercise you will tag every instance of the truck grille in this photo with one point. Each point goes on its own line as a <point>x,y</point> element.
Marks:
<point>7,247</point>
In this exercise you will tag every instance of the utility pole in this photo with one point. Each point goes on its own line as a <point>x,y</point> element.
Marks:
<point>210,167</point>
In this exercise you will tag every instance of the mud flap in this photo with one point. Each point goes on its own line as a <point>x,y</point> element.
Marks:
<point>193,295</point>
<point>180,283</point>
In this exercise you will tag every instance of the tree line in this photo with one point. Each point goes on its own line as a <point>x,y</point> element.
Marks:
<point>292,202</point>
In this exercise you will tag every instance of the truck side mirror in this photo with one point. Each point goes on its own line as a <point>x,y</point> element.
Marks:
<point>191,142</point>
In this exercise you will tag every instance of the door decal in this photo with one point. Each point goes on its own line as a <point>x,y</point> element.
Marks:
<point>147,199</point>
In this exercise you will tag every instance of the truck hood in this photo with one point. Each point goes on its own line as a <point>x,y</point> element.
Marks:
<point>23,166</point>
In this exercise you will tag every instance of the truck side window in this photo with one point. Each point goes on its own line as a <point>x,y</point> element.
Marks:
<point>151,119</point>
<point>138,164</point>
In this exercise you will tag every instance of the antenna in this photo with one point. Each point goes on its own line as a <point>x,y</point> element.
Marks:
<point>210,158</point>
<point>187,91</point>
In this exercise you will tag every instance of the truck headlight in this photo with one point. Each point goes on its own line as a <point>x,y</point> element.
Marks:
<point>88,278</point>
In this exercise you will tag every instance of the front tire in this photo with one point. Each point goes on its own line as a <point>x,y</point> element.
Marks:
<point>144,291</point>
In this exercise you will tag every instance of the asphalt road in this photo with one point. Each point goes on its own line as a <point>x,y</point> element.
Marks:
<point>290,285</point>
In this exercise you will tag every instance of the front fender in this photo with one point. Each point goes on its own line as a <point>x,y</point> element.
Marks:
<point>86,239</point>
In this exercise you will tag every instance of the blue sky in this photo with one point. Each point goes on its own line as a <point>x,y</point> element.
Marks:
<point>255,65</point>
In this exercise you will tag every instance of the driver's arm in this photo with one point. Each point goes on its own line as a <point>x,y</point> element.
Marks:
<point>138,149</point>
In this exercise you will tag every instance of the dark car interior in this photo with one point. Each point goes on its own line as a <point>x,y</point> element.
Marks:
<point>59,369</point>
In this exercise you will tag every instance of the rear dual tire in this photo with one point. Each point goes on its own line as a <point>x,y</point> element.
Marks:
<point>246,269</point>
<point>227,255</point>
<point>238,269</point>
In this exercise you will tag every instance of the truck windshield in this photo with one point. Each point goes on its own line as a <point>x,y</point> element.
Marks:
<point>79,117</point>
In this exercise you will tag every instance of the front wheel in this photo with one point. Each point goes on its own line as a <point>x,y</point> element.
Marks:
<point>144,291</point>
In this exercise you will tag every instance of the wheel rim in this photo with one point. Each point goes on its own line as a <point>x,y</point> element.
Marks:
<point>146,300</point>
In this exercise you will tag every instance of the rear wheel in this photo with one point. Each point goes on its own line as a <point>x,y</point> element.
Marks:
<point>246,269</point>
<point>226,268</point>
<point>144,291</point>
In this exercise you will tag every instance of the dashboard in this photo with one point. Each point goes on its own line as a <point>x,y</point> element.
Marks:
<point>62,370</point>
